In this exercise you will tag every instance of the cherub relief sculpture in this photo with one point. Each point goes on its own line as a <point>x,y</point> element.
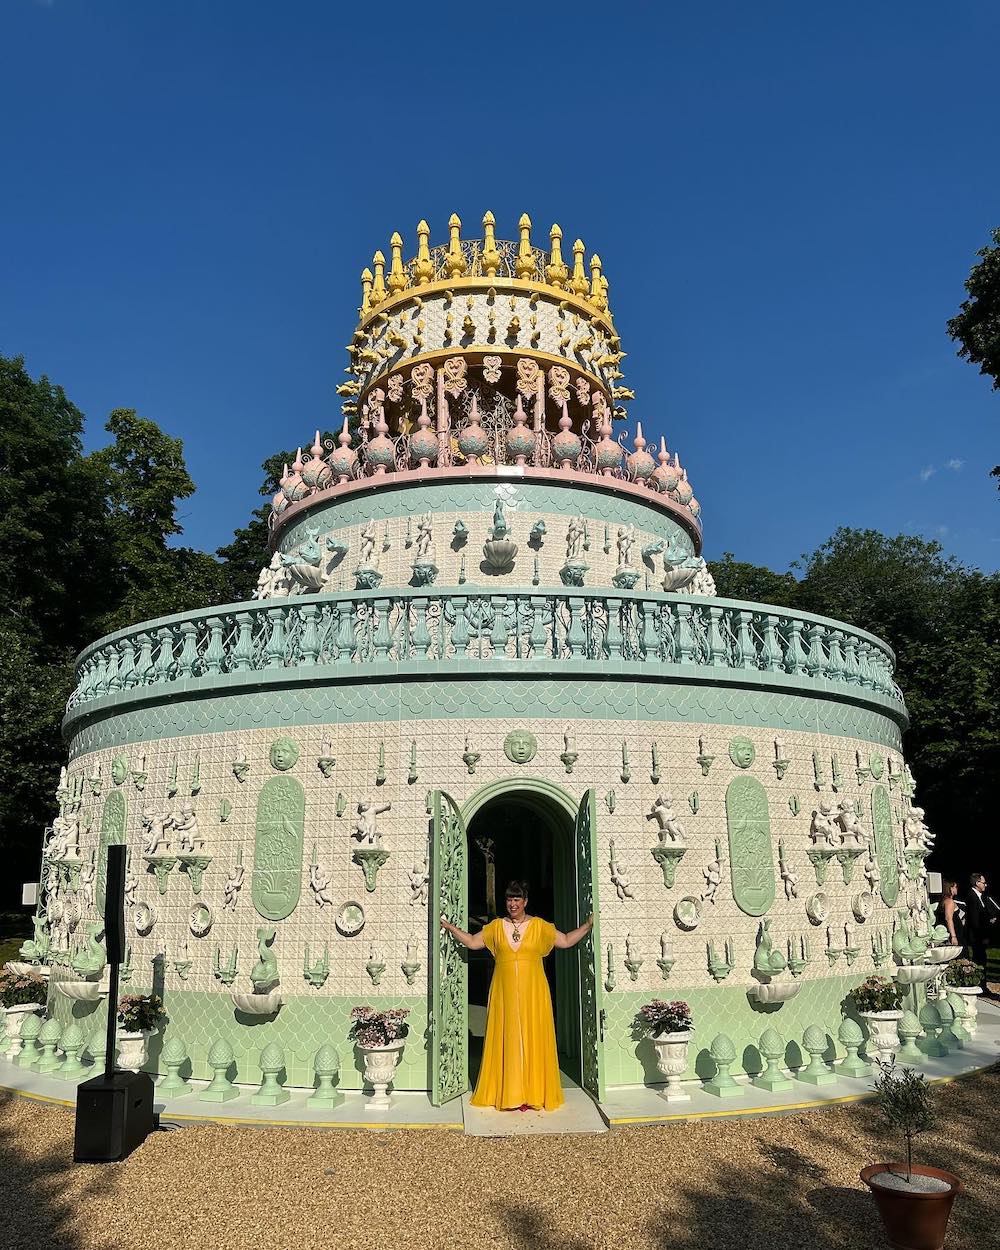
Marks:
<point>369,537</point>
<point>626,543</point>
<point>155,824</point>
<point>425,542</point>
<point>88,872</point>
<point>190,841</point>
<point>713,877</point>
<point>915,831</point>
<point>574,539</point>
<point>619,880</point>
<point>847,819</point>
<point>366,824</point>
<point>420,878</point>
<point>872,874</point>
<point>821,827</point>
<point>231,890</point>
<point>670,828</point>
<point>319,882</point>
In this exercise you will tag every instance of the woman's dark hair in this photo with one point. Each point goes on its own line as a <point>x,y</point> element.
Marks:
<point>946,886</point>
<point>517,889</point>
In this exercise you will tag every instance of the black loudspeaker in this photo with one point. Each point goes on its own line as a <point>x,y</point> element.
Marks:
<point>114,1114</point>
<point>114,905</point>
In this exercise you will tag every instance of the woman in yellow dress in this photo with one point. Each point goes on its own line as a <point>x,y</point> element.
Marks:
<point>520,1068</point>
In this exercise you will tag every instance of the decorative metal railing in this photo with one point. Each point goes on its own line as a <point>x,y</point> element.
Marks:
<point>346,632</point>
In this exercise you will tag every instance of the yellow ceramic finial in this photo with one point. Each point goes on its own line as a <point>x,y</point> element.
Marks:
<point>579,283</point>
<point>605,302</point>
<point>490,257</point>
<point>455,262</point>
<point>556,272</point>
<point>378,283</point>
<point>366,291</point>
<point>596,286</point>
<point>397,278</point>
<point>525,265</point>
<point>423,266</point>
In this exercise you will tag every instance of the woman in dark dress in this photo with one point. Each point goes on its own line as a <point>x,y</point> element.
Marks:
<point>950,912</point>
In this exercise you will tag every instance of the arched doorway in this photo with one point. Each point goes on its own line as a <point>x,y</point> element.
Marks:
<point>524,832</point>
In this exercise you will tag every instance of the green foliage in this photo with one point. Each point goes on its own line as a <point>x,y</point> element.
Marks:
<point>877,994</point>
<point>976,327</point>
<point>735,579</point>
<point>247,554</point>
<point>964,974</point>
<point>904,1099</point>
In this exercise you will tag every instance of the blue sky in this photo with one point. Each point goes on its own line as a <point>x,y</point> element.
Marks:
<point>787,199</point>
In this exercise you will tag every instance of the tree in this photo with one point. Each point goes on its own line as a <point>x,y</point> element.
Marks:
<point>735,579</point>
<point>977,324</point>
<point>144,475</point>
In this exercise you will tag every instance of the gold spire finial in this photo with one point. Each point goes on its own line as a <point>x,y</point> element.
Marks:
<point>596,283</point>
<point>397,278</point>
<point>455,262</point>
<point>525,265</point>
<point>579,283</point>
<point>366,291</point>
<point>378,283</point>
<point>491,257</point>
<point>556,271</point>
<point>423,266</point>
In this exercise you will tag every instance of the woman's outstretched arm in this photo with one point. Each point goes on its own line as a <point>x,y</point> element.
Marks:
<point>473,941</point>
<point>565,941</point>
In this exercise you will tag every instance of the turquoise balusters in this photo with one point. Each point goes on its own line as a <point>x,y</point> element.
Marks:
<point>539,637</point>
<point>163,665</point>
<point>188,660</point>
<point>614,636</point>
<point>274,648</point>
<point>144,664</point>
<point>460,629</point>
<point>686,645</point>
<point>717,654</point>
<point>815,659</point>
<point>498,630</point>
<point>214,652</point>
<point>852,673</point>
<point>795,656</point>
<point>383,634</point>
<point>746,654</point>
<point>112,680</point>
<point>771,657</point>
<point>345,644</point>
<point>420,638</point>
<point>241,656</point>
<point>576,638</point>
<point>126,669</point>
<point>309,644</point>
<point>835,665</point>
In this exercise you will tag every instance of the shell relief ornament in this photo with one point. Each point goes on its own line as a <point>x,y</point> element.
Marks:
<point>520,746</point>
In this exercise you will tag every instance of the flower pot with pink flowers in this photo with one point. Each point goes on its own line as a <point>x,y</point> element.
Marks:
<point>669,1027</point>
<point>139,1017</point>
<point>380,1037</point>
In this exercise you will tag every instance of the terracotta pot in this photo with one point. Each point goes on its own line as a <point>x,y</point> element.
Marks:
<point>913,1221</point>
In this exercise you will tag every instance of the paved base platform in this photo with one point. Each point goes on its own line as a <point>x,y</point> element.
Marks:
<point>629,1104</point>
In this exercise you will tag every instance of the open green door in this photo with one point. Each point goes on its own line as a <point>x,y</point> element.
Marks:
<point>591,989</point>
<point>449,1031</point>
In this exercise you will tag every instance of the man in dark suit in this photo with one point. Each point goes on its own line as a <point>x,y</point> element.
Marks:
<point>980,921</point>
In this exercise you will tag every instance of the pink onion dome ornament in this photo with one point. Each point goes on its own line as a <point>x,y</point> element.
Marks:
<point>684,492</point>
<point>520,439</point>
<point>343,461</point>
<point>473,441</point>
<point>380,451</point>
<point>423,443</point>
<point>665,476</point>
<point>694,507</point>
<point>640,464</point>
<point>608,454</point>
<point>292,484</point>
<point>316,472</point>
<point>279,503</point>
<point>566,446</point>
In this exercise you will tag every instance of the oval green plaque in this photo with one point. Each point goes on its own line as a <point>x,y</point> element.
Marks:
<point>885,847</point>
<point>277,855</point>
<point>751,856</point>
<point>112,834</point>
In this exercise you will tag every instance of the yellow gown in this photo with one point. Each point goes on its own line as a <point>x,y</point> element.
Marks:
<point>520,1065</point>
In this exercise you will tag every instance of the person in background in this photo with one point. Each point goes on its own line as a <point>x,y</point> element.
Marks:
<point>981,915</point>
<point>950,912</point>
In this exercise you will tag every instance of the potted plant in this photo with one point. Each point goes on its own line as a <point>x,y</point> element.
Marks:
<point>21,994</point>
<point>139,1016</point>
<point>914,1200</point>
<point>669,1026</point>
<point>380,1037</point>
<point>965,978</point>
<point>878,1002</point>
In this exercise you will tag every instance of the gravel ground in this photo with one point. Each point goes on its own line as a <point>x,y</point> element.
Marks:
<point>784,1183</point>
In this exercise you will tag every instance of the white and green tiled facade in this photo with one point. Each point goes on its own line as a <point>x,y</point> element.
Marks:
<point>418,672</point>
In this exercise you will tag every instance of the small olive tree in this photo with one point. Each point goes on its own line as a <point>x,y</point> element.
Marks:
<point>904,1099</point>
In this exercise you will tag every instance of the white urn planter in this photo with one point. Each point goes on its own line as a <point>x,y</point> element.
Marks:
<point>133,1049</point>
<point>969,994</point>
<point>15,1018</point>
<point>883,1033</point>
<point>671,1061</point>
<point>380,1066</point>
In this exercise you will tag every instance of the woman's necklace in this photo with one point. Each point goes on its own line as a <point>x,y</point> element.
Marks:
<point>515,936</point>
